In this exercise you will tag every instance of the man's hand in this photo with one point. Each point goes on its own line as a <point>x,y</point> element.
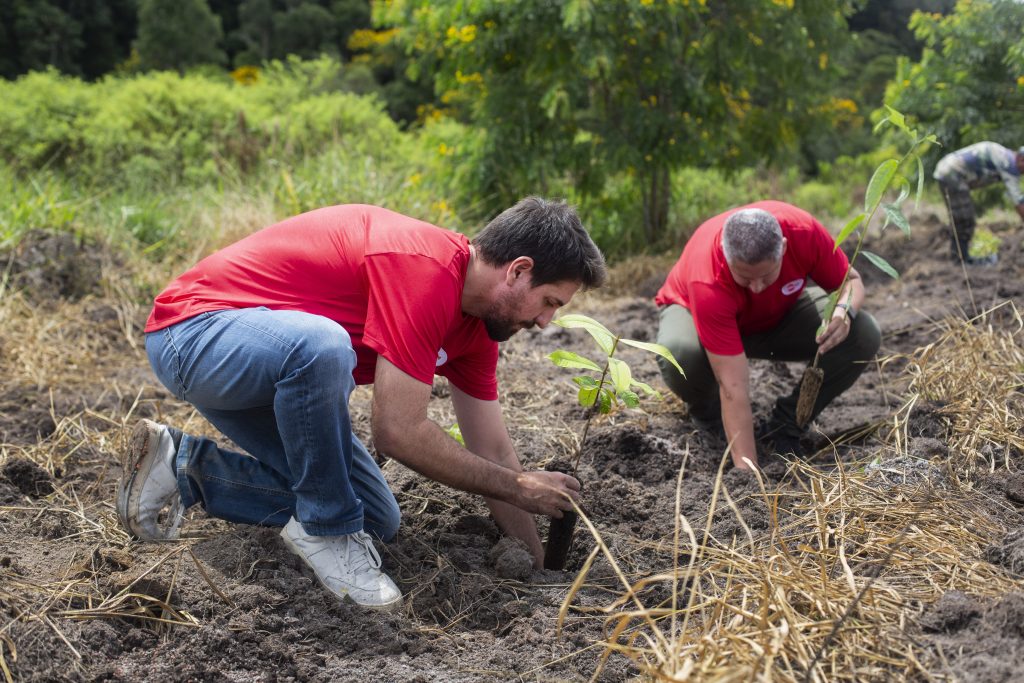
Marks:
<point>838,329</point>
<point>546,493</point>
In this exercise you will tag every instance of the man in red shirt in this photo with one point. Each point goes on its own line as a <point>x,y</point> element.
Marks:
<point>268,337</point>
<point>739,290</point>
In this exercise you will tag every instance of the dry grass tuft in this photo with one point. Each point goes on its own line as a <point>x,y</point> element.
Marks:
<point>834,589</point>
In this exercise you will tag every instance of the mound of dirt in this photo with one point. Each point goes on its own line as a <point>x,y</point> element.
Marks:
<point>56,265</point>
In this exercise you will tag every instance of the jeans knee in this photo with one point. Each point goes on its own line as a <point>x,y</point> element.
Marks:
<point>386,527</point>
<point>326,349</point>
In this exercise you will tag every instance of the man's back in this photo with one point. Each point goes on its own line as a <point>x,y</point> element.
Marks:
<point>981,164</point>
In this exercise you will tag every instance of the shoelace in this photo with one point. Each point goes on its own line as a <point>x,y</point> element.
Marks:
<point>369,557</point>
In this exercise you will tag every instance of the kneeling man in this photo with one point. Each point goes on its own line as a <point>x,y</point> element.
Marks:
<point>741,289</point>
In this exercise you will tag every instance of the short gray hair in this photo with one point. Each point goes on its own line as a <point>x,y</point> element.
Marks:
<point>752,236</point>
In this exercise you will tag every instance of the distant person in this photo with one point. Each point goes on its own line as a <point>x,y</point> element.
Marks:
<point>741,289</point>
<point>978,165</point>
<point>268,337</point>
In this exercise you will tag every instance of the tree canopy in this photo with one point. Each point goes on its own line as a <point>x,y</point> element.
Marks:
<point>969,83</point>
<point>633,88</point>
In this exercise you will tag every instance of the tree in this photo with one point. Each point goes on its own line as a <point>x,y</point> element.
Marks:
<point>636,88</point>
<point>177,34</point>
<point>79,37</point>
<point>969,83</point>
<point>274,29</point>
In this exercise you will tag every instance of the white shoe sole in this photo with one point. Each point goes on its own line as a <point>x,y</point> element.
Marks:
<point>393,606</point>
<point>136,462</point>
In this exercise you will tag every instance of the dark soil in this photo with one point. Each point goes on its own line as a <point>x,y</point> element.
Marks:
<point>236,606</point>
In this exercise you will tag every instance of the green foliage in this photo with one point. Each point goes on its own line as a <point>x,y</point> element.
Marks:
<point>277,29</point>
<point>967,86</point>
<point>177,34</point>
<point>891,174</point>
<point>594,90</point>
<point>613,383</point>
<point>40,201</point>
<point>80,38</point>
<point>171,128</point>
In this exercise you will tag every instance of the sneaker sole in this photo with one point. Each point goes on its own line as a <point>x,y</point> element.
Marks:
<point>393,606</point>
<point>141,453</point>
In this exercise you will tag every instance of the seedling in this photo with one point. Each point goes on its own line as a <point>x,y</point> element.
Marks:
<point>610,386</point>
<point>614,384</point>
<point>890,174</point>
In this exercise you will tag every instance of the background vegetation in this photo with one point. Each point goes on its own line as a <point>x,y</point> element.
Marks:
<point>166,125</point>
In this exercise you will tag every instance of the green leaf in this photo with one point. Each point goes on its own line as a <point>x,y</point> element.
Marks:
<point>620,373</point>
<point>646,389</point>
<point>849,228</point>
<point>655,348</point>
<point>456,433</point>
<point>585,381</point>
<point>904,191</point>
<point>830,308</point>
<point>881,264</point>
<point>568,359</point>
<point>604,338</point>
<point>896,118</point>
<point>587,397</point>
<point>894,215</point>
<point>879,183</point>
<point>607,401</point>
<point>629,398</point>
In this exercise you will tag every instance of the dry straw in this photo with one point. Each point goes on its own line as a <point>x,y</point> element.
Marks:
<point>834,589</point>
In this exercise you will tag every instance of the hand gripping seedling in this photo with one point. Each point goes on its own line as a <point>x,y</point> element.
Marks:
<point>611,385</point>
<point>890,174</point>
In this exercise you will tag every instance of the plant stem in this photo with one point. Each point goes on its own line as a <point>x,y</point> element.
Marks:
<point>593,408</point>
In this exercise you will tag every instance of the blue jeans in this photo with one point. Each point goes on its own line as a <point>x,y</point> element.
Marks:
<point>277,383</point>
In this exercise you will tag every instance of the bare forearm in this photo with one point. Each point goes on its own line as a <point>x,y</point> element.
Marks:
<point>425,448</point>
<point>738,420</point>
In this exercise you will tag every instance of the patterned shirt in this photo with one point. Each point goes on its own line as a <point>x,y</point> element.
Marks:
<point>980,164</point>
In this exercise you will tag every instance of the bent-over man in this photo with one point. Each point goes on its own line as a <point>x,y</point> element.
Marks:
<point>268,337</point>
<point>741,289</point>
<point>978,165</point>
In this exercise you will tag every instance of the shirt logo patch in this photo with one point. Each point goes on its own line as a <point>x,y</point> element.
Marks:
<point>442,357</point>
<point>793,287</point>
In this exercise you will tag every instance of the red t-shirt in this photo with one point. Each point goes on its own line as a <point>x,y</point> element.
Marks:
<point>722,310</point>
<point>394,283</point>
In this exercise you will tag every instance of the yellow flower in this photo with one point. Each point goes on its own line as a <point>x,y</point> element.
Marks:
<point>246,75</point>
<point>823,61</point>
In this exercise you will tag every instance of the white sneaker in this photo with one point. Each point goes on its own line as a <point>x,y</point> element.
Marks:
<point>348,566</point>
<point>148,501</point>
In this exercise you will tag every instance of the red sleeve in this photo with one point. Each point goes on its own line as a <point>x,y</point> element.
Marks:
<point>476,371</point>
<point>714,315</point>
<point>412,301</point>
<point>830,263</point>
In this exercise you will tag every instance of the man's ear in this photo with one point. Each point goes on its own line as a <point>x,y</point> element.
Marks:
<point>521,266</point>
<point>785,243</point>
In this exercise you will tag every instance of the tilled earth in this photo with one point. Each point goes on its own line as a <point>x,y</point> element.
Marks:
<point>79,601</point>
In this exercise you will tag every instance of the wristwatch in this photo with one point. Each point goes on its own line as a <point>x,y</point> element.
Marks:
<point>850,313</point>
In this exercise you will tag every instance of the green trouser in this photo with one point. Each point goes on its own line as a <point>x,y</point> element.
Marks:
<point>791,340</point>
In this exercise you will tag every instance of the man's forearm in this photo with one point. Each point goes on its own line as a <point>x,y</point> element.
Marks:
<point>426,449</point>
<point>738,421</point>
